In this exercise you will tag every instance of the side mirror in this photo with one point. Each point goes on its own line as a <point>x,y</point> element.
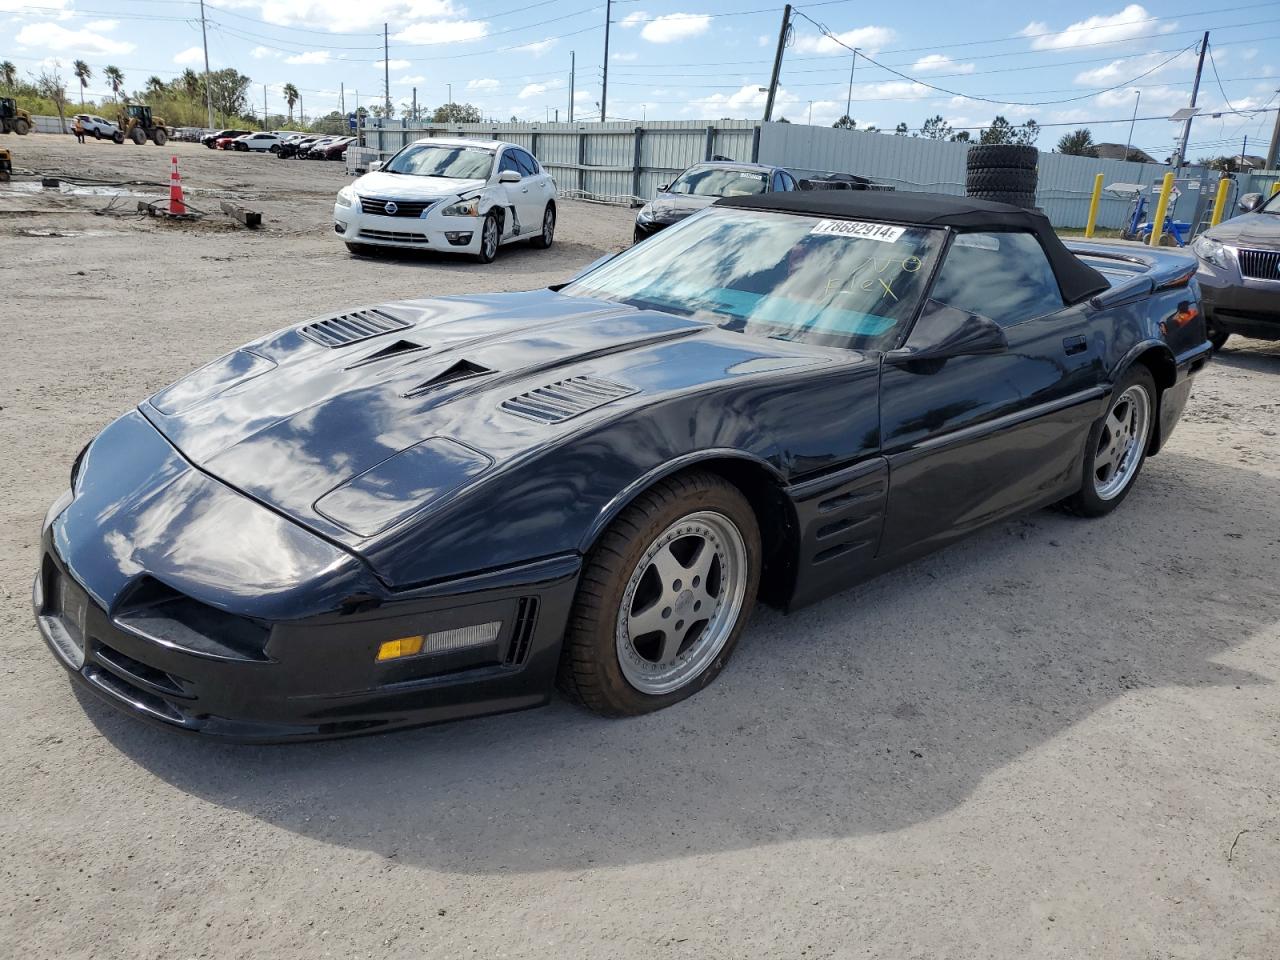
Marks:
<point>664,187</point>
<point>508,176</point>
<point>1250,202</point>
<point>944,331</point>
<point>375,165</point>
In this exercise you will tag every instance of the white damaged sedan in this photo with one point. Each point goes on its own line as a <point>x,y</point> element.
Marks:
<point>453,196</point>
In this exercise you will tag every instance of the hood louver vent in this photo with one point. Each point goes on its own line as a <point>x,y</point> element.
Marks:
<point>399,348</point>
<point>462,370</point>
<point>564,399</point>
<point>352,327</point>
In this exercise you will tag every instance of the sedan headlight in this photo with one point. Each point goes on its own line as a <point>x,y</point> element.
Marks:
<point>1211,251</point>
<point>463,208</point>
<point>646,214</point>
<point>346,197</point>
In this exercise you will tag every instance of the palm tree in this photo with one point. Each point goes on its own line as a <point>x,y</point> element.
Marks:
<point>115,77</point>
<point>291,97</point>
<point>189,82</point>
<point>8,73</point>
<point>155,86</point>
<point>84,75</point>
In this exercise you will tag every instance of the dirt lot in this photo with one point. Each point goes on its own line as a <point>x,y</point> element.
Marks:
<point>1056,740</point>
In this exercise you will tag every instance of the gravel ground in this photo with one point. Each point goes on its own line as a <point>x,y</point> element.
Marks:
<point>1055,740</point>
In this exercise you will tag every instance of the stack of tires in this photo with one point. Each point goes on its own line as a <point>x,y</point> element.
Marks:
<point>1005,173</point>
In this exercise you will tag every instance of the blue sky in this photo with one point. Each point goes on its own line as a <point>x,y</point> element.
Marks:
<point>685,59</point>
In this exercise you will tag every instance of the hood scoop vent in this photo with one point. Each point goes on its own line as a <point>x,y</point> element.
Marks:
<point>462,370</point>
<point>349,328</point>
<point>564,399</point>
<point>397,349</point>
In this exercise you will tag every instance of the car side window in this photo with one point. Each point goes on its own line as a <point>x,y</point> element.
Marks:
<point>528,166</point>
<point>1005,276</point>
<point>508,162</point>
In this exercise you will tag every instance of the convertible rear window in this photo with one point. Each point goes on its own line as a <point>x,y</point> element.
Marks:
<point>833,282</point>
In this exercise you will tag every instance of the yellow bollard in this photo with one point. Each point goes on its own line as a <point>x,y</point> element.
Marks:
<point>1093,206</point>
<point>1220,202</point>
<point>1275,188</point>
<point>1162,207</point>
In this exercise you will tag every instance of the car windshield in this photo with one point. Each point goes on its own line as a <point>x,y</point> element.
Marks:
<point>720,182</point>
<point>1272,205</point>
<point>840,283</point>
<point>442,160</point>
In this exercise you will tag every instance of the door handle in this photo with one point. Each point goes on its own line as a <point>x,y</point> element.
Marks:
<point>1074,345</point>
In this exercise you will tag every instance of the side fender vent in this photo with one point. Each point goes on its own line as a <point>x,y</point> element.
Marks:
<point>564,399</point>
<point>349,328</point>
<point>522,635</point>
<point>462,370</point>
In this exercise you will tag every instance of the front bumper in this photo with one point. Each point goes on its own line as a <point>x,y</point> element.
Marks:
<point>319,679</point>
<point>647,228</point>
<point>1238,304</point>
<point>433,232</point>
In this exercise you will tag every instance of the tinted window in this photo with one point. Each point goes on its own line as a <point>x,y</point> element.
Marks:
<point>1004,276</point>
<point>709,181</point>
<point>508,162</point>
<point>789,180</point>
<point>528,166</point>
<point>442,160</point>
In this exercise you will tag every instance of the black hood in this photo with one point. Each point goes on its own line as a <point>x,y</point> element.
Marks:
<point>670,207</point>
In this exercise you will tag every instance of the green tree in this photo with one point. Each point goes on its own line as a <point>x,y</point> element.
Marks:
<point>1002,131</point>
<point>1225,164</point>
<point>228,89</point>
<point>115,77</point>
<point>8,74</point>
<point>1078,143</point>
<point>845,123</point>
<point>900,130</point>
<point>456,113</point>
<point>935,128</point>
<point>50,86</point>
<point>291,97</point>
<point>190,83</point>
<point>83,74</point>
<point>155,86</point>
<point>961,136</point>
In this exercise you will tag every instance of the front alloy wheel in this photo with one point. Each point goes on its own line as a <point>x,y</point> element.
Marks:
<point>488,239</point>
<point>663,598</point>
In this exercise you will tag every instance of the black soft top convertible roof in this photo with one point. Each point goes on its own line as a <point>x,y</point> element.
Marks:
<point>1076,279</point>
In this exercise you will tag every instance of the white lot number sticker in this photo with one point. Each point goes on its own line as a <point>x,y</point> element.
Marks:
<point>860,230</point>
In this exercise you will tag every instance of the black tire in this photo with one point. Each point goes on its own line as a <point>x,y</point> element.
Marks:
<point>274,148</point>
<point>1002,155</point>
<point>117,137</point>
<point>138,136</point>
<point>360,249</point>
<point>1086,502</point>
<point>544,239</point>
<point>21,127</point>
<point>159,138</point>
<point>97,134</point>
<point>590,673</point>
<point>1217,336</point>
<point>488,252</point>
<point>1001,180</point>
<point>1026,201</point>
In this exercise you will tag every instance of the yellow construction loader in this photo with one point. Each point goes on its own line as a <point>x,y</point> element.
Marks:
<point>13,120</point>
<point>136,123</point>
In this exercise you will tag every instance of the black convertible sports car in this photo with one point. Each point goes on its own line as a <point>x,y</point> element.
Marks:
<point>438,508</point>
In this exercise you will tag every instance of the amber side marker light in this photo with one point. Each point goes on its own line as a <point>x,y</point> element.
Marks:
<point>444,641</point>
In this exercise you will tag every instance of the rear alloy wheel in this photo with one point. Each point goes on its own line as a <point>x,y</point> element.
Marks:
<point>489,236</point>
<point>548,234</point>
<point>663,598</point>
<point>1117,446</point>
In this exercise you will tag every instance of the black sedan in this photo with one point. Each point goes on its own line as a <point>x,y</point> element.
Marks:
<point>439,508</point>
<point>702,185</point>
<point>1240,272</point>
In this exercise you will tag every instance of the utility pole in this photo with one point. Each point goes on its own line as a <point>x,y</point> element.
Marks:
<point>1244,149</point>
<point>415,104</point>
<point>777,63</point>
<point>1275,142</point>
<point>386,70</point>
<point>342,98</point>
<point>208,91</point>
<point>264,106</point>
<point>604,87</point>
<point>571,69</point>
<point>1129,145</point>
<point>302,117</point>
<point>848,102</point>
<point>1195,92</point>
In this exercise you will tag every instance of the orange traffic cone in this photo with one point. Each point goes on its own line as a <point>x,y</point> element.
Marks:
<point>176,206</point>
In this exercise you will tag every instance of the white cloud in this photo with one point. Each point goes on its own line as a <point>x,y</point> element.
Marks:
<point>50,36</point>
<point>633,19</point>
<point>1120,71</point>
<point>537,48</point>
<point>936,62</point>
<point>747,99</point>
<point>410,81</point>
<point>895,90</point>
<point>864,38</point>
<point>443,31</point>
<point>1151,96</point>
<point>393,64</point>
<point>484,83</point>
<point>624,57</point>
<point>675,26</point>
<point>342,15</point>
<point>101,26</point>
<point>19,6</point>
<point>261,53</point>
<point>580,96</point>
<point>1249,54</point>
<point>538,89</point>
<point>1125,25</point>
<point>189,56</point>
<point>311,57</point>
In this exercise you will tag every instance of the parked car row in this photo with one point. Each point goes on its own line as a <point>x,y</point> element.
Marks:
<point>315,148</point>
